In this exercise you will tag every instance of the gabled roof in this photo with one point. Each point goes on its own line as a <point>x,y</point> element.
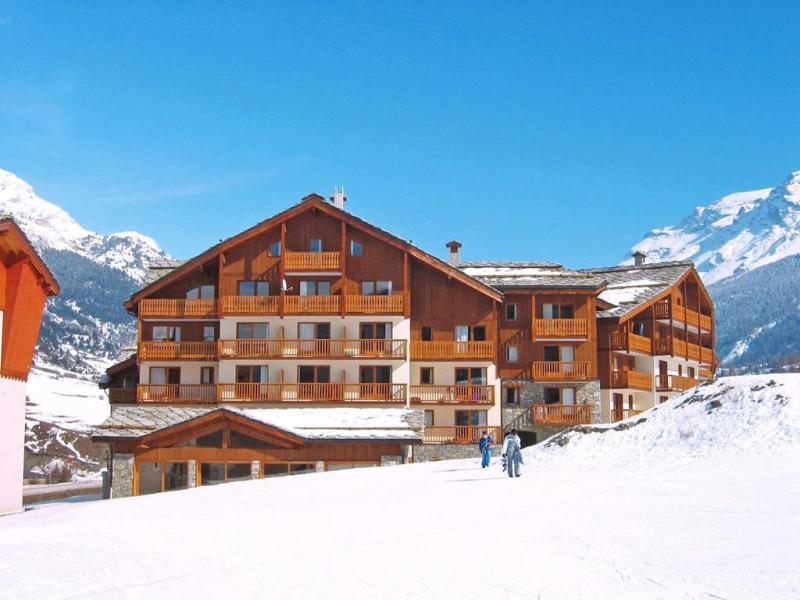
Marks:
<point>630,287</point>
<point>530,275</point>
<point>312,424</point>
<point>172,271</point>
<point>15,240</point>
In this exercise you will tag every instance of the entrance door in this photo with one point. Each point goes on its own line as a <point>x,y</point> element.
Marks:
<point>663,374</point>
<point>618,400</point>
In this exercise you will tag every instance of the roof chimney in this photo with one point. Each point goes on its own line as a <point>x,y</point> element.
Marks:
<point>454,258</point>
<point>338,199</point>
<point>639,258</point>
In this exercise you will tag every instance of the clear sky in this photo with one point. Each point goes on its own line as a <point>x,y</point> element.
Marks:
<point>553,131</point>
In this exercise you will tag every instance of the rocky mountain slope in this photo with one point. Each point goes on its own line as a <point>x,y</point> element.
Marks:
<point>745,246</point>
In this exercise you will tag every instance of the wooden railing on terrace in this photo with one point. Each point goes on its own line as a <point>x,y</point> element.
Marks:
<point>681,348</point>
<point>675,383</point>
<point>168,307</point>
<point>313,392</point>
<point>620,414</point>
<point>461,434</point>
<point>336,348</point>
<point>447,350</point>
<point>122,395</point>
<point>313,261</point>
<point>705,374</point>
<point>312,304</point>
<point>561,414</point>
<point>178,350</point>
<point>560,328</point>
<point>250,305</point>
<point>555,371</point>
<point>632,343</point>
<point>631,379</point>
<point>683,315</point>
<point>173,393</point>
<point>374,304</point>
<point>452,394</point>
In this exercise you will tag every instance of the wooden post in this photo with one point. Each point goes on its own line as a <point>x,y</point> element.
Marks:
<point>343,260</point>
<point>406,287</point>
<point>282,270</point>
<point>220,270</point>
<point>671,330</point>
<point>685,321</point>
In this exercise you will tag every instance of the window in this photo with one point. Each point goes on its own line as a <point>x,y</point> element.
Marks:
<point>375,374</point>
<point>511,312</point>
<point>283,469</point>
<point>367,288</point>
<point>465,333</point>
<point>206,292</point>
<point>315,245</point>
<point>567,395</point>
<point>254,288</point>
<point>690,372</point>
<point>471,417</point>
<point>176,476</point>
<point>380,288</point>
<point>356,249</point>
<point>314,374</point>
<point>252,331</point>
<point>215,473</point>
<point>166,333</point>
<point>206,375</point>
<point>470,376</point>
<point>558,311</point>
<point>252,374</point>
<point>275,249</point>
<point>426,333</point>
<point>638,327</point>
<point>375,331</point>
<point>242,440</point>
<point>209,440</point>
<point>315,288</point>
<point>512,354</point>
<point>552,353</point>
<point>512,395</point>
<point>426,375</point>
<point>165,375</point>
<point>429,418</point>
<point>208,333</point>
<point>552,395</point>
<point>479,333</point>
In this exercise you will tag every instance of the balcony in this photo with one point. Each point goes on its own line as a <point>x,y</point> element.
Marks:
<point>295,349</point>
<point>178,350</point>
<point>451,350</point>
<point>374,305</point>
<point>460,434</point>
<point>675,383</point>
<point>452,394</point>
<point>390,393</point>
<point>620,414</point>
<point>560,371</point>
<point>560,328</point>
<point>250,305</point>
<point>561,414</point>
<point>122,395</point>
<point>676,347</point>
<point>318,305</point>
<point>638,344</point>
<point>634,380</point>
<point>176,394</point>
<point>681,314</point>
<point>173,308</point>
<point>313,261</point>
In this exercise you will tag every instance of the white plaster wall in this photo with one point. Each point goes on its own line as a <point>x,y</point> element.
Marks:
<point>12,443</point>
<point>347,327</point>
<point>190,369</point>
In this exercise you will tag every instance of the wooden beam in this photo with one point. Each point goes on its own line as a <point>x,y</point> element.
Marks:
<point>343,259</point>
<point>406,287</point>
<point>282,270</point>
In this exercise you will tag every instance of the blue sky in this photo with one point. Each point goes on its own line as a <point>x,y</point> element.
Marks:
<point>554,131</point>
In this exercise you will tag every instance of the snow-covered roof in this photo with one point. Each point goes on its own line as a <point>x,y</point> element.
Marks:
<point>336,423</point>
<point>630,286</point>
<point>157,270</point>
<point>504,275</point>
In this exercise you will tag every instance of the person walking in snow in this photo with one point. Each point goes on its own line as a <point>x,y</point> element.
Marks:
<point>512,453</point>
<point>485,446</point>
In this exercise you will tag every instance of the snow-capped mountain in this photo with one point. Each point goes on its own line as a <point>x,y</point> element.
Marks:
<point>735,234</point>
<point>746,248</point>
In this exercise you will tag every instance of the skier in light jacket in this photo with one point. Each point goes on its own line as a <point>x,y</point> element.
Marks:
<point>512,452</point>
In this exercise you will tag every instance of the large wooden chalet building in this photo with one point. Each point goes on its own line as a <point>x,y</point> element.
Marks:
<point>317,341</point>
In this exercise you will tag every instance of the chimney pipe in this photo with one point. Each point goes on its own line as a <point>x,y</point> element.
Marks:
<point>338,199</point>
<point>454,259</point>
<point>639,258</point>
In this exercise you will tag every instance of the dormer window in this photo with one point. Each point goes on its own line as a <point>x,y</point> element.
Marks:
<point>315,245</point>
<point>204,292</point>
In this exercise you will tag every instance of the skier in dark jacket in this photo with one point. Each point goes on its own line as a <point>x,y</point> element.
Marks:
<point>512,453</point>
<point>485,446</point>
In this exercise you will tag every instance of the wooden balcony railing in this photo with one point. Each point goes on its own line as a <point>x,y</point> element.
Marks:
<point>250,305</point>
<point>632,343</point>
<point>560,328</point>
<point>561,414</point>
<point>461,434</point>
<point>122,395</point>
<point>682,315</point>
<point>172,308</point>
<point>452,394</point>
<point>687,349</point>
<point>313,261</point>
<point>312,304</point>
<point>555,371</point>
<point>281,348</point>
<point>631,379</point>
<point>705,374</point>
<point>313,392</point>
<point>374,304</point>
<point>178,350</point>
<point>451,350</point>
<point>171,393</point>
<point>675,383</point>
<point>620,414</point>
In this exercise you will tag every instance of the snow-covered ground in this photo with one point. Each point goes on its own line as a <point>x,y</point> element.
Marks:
<point>65,399</point>
<point>701,499</point>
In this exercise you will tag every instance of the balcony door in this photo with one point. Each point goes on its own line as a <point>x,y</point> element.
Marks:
<point>309,335</point>
<point>558,311</point>
<point>315,288</point>
<point>309,378</point>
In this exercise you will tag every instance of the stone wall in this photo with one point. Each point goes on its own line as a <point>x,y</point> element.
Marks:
<point>122,475</point>
<point>431,452</point>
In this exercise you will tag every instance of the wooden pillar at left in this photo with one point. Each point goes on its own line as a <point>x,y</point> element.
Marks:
<point>282,270</point>
<point>406,287</point>
<point>220,270</point>
<point>343,260</point>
